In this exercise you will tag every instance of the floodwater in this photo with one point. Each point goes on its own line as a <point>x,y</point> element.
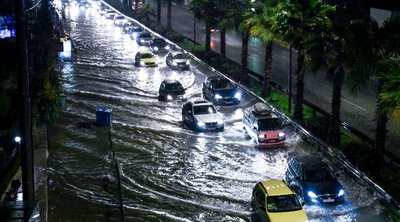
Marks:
<point>168,172</point>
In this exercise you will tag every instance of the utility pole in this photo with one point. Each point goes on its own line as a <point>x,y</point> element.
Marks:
<point>24,104</point>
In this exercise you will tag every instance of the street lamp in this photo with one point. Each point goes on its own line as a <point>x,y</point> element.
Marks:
<point>17,139</point>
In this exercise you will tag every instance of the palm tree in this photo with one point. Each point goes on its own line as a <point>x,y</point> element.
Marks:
<point>295,23</point>
<point>158,11</point>
<point>261,24</point>
<point>381,53</point>
<point>209,12</point>
<point>169,14</point>
<point>389,98</point>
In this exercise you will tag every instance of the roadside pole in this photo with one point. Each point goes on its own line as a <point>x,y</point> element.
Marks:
<point>24,104</point>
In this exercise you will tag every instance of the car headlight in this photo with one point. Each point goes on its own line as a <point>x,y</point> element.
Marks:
<point>155,48</point>
<point>167,47</point>
<point>341,193</point>
<point>184,96</point>
<point>187,62</point>
<point>313,196</point>
<point>280,135</point>
<point>217,96</point>
<point>220,122</point>
<point>200,124</point>
<point>174,63</point>
<point>142,63</point>
<point>238,95</point>
<point>141,40</point>
<point>262,136</point>
<point>169,97</point>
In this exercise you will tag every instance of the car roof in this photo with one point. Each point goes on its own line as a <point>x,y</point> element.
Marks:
<point>199,102</point>
<point>145,51</point>
<point>261,111</point>
<point>309,161</point>
<point>276,187</point>
<point>216,78</point>
<point>174,53</point>
<point>170,81</point>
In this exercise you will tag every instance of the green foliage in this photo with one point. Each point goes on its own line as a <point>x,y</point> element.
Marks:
<point>175,37</point>
<point>5,104</point>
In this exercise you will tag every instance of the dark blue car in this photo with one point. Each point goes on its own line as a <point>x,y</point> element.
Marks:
<point>314,181</point>
<point>221,91</point>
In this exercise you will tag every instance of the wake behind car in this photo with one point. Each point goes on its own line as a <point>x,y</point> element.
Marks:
<point>274,201</point>
<point>201,115</point>
<point>144,38</point>
<point>221,91</point>
<point>178,60</point>
<point>171,90</point>
<point>159,45</point>
<point>313,180</point>
<point>119,20</point>
<point>145,58</point>
<point>263,126</point>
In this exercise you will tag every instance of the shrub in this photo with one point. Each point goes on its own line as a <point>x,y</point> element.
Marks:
<point>363,156</point>
<point>175,37</point>
<point>318,126</point>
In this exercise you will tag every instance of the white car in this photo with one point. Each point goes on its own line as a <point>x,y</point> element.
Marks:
<point>119,20</point>
<point>201,115</point>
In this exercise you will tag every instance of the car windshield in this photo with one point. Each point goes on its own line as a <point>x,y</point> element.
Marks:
<point>136,29</point>
<point>269,124</point>
<point>145,35</point>
<point>222,84</point>
<point>180,56</point>
<point>283,203</point>
<point>321,174</point>
<point>174,87</point>
<point>205,109</point>
<point>159,41</point>
<point>119,17</point>
<point>146,56</point>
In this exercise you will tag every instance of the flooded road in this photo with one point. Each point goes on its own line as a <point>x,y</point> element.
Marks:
<point>168,172</point>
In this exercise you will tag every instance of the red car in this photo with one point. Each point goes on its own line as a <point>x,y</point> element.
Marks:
<point>263,126</point>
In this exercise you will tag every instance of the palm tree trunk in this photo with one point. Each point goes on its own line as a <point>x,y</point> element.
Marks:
<point>169,16</point>
<point>381,122</point>
<point>136,4</point>
<point>245,47</point>
<point>334,123</point>
<point>208,37</point>
<point>223,45</point>
<point>298,103</point>
<point>158,11</point>
<point>266,91</point>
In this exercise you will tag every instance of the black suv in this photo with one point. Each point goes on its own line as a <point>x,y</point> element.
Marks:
<point>159,45</point>
<point>313,180</point>
<point>171,90</point>
<point>221,91</point>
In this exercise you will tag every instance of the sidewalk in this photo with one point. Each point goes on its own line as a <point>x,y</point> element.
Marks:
<point>357,111</point>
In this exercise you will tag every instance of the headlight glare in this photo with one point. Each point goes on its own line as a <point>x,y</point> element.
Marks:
<point>169,97</point>
<point>341,193</point>
<point>217,96</point>
<point>312,194</point>
<point>262,136</point>
<point>238,95</point>
<point>200,124</point>
<point>281,134</point>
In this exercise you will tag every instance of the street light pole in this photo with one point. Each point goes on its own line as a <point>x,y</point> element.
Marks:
<point>290,80</point>
<point>25,108</point>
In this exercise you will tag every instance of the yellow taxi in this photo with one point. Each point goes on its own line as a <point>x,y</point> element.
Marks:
<point>274,201</point>
<point>145,58</point>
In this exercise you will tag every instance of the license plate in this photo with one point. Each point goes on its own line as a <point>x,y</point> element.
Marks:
<point>329,200</point>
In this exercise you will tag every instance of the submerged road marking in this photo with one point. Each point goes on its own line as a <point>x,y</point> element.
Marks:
<point>354,104</point>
